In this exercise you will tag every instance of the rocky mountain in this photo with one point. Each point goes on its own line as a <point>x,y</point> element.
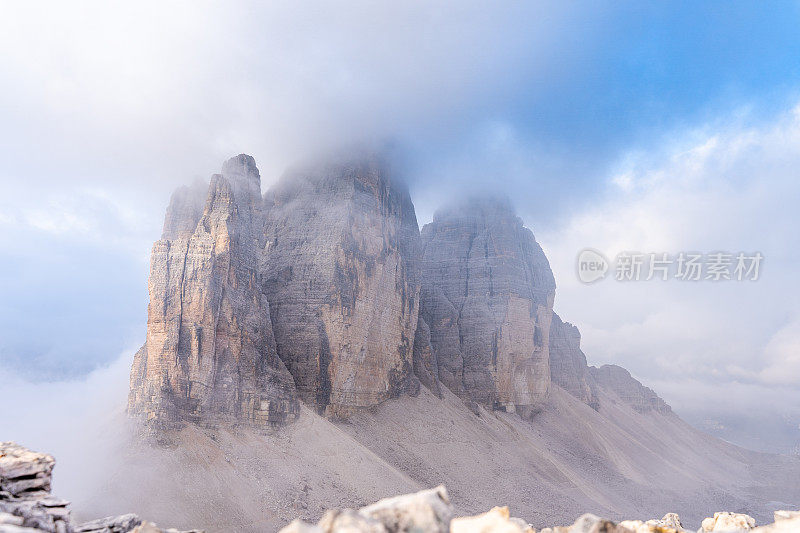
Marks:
<point>338,271</point>
<point>568,368</point>
<point>288,335</point>
<point>210,352</point>
<point>325,291</point>
<point>619,380</point>
<point>487,299</point>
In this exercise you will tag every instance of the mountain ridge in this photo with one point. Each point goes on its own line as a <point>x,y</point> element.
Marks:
<point>349,298</point>
<point>401,360</point>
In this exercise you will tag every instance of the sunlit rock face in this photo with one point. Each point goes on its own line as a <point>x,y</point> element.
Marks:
<point>339,274</point>
<point>487,297</point>
<point>210,352</point>
<point>568,368</point>
<point>629,390</point>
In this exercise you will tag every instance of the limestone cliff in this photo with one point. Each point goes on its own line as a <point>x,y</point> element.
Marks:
<point>325,291</point>
<point>568,368</point>
<point>339,275</point>
<point>210,352</point>
<point>487,297</point>
<point>628,389</point>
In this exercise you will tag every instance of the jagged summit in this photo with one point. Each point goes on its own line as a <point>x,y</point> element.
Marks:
<point>325,291</point>
<point>210,351</point>
<point>323,298</point>
<point>241,165</point>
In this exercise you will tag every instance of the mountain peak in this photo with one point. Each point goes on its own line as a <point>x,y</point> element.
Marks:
<point>489,205</point>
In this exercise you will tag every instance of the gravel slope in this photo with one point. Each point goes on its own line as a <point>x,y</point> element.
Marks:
<point>569,460</point>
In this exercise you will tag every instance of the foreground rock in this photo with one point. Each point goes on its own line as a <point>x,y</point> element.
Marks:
<point>498,520</point>
<point>430,511</point>
<point>728,522</point>
<point>670,523</point>
<point>427,510</point>
<point>26,505</point>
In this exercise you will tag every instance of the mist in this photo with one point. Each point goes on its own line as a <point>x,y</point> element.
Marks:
<point>79,421</point>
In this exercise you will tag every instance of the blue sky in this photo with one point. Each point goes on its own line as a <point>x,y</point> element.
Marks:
<point>664,124</point>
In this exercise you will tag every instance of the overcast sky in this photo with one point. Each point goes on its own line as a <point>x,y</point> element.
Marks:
<point>659,127</point>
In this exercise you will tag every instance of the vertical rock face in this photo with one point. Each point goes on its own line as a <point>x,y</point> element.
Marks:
<point>210,352</point>
<point>487,297</point>
<point>568,368</point>
<point>340,278</point>
<point>325,291</point>
<point>629,390</point>
<point>426,364</point>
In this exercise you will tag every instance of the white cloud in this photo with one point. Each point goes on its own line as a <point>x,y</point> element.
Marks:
<point>782,356</point>
<point>730,188</point>
<point>81,422</point>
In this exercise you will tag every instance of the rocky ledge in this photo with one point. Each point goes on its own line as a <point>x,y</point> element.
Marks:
<point>431,511</point>
<point>27,506</point>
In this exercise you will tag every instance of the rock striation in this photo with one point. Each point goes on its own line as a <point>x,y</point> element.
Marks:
<point>311,293</point>
<point>568,367</point>
<point>642,399</point>
<point>325,291</point>
<point>339,274</point>
<point>210,352</point>
<point>25,499</point>
<point>487,299</point>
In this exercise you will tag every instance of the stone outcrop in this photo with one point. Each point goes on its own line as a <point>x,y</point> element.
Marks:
<point>339,275</point>
<point>27,506</point>
<point>210,352</point>
<point>427,511</point>
<point>25,499</point>
<point>568,368</point>
<point>785,522</point>
<point>24,473</point>
<point>487,298</point>
<point>430,511</point>
<point>111,524</point>
<point>726,521</point>
<point>642,399</point>
<point>324,291</point>
<point>497,520</point>
<point>669,523</point>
